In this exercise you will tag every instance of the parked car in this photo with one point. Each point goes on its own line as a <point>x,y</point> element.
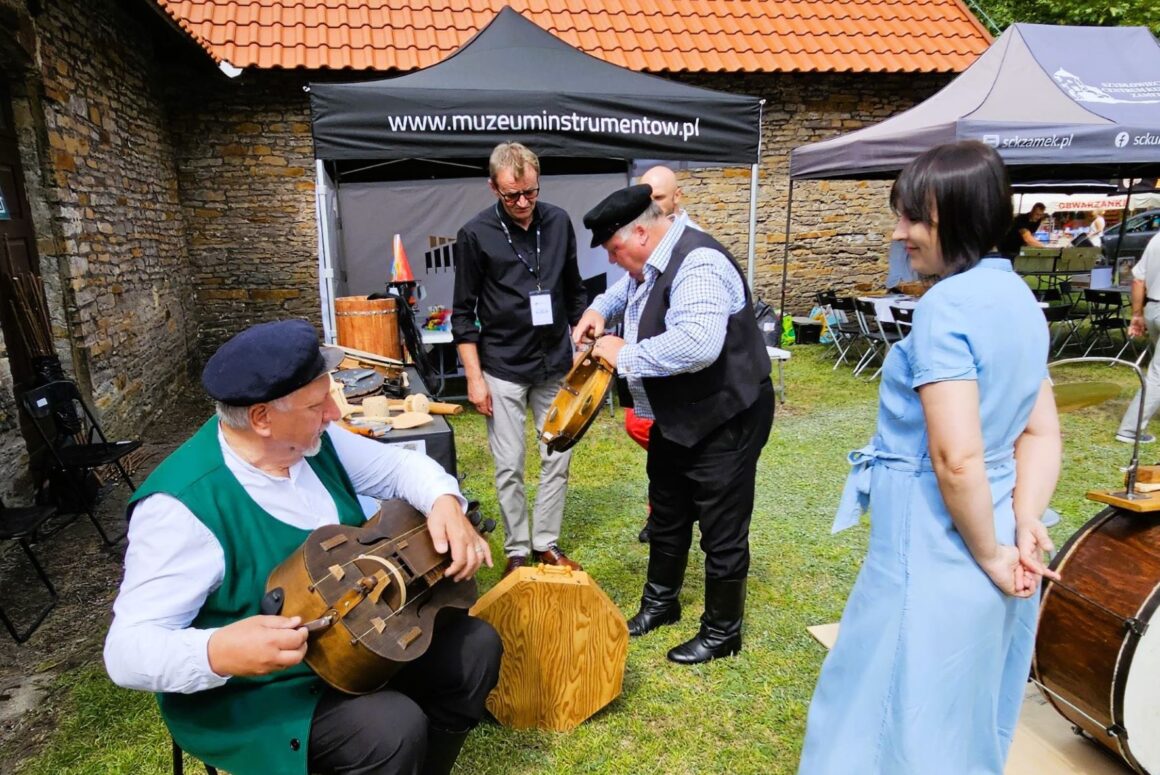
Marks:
<point>1140,228</point>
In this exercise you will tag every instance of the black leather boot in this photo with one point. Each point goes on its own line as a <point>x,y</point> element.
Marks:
<point>720,634</point>
<point>659,604</point>
<point>442,750</point>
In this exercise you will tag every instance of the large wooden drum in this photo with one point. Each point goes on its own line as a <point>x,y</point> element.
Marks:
<point>1097,652</point>
<point>368,324</point>
<point>565,646</point>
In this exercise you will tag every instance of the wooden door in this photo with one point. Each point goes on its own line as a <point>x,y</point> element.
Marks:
<point>17,241</point>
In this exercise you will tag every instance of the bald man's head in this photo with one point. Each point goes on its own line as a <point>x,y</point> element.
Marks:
<point>666,193</point>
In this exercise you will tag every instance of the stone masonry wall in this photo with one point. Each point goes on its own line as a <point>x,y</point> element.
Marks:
<point>103,192</point>
<point>116,251</point>
<point>246,161</point>
<point>840,232</point>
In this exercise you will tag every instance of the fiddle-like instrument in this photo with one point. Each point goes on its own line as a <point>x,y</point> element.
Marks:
<point>369,595</point>
<point>577,402</point>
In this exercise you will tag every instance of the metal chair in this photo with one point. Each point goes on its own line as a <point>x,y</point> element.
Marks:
<point>903,320</point>
<point>1060,320</point>
<point>846,334</point>
<point>1105,314</point>
<point>878,339</point>
<point>78,445</point>
<point>179,763</point>
<point>20,524</point>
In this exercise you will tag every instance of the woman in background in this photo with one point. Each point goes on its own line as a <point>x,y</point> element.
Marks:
<point>935,644</point>
<point>1095,232</point>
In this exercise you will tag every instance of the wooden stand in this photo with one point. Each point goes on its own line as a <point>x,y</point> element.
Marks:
<point>565,646</point>
<point>1142,502</point>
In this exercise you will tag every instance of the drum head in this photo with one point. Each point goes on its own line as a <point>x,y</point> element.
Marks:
<point>1142,701</point>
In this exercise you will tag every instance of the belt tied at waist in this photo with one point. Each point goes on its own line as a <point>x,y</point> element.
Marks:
<point>856,494</point>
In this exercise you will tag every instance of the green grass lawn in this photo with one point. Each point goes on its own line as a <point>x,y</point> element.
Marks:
<point>740,715</point>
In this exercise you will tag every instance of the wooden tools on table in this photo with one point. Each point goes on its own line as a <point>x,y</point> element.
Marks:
<point>374,416</point>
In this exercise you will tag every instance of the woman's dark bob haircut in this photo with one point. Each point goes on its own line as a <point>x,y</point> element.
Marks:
<point>963,187</point>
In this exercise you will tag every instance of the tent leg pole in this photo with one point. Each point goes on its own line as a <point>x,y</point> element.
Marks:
<point>785,255</point>
<point>1121,229</point>
<point>751,269</point>
<point>325,259</point>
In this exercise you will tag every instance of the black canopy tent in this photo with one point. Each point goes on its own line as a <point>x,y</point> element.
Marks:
<point>1055,102</point>
<point>516,81</point>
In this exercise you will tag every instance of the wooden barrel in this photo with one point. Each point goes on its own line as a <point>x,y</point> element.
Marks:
<point>564,647</point>
<point>368,324</point>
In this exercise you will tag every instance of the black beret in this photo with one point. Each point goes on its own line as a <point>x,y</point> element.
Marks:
<point>616,211</point>
<point>267,361</point>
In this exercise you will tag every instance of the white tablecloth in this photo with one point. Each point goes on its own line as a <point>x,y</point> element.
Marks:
<point>882,305</point>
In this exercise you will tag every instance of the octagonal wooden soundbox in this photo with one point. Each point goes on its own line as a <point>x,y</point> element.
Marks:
<point>565,647</point>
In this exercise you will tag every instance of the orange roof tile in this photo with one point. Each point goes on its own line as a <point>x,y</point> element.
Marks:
<point>650,35</point>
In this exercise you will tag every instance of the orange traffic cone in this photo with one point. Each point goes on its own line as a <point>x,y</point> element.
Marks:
<point>400,267</point>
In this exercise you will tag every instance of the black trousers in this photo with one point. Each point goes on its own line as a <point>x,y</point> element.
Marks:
<point>711,483</point>
<point>385,733</point>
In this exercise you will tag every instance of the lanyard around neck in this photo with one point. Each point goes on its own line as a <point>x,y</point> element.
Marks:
<point>503,225</point>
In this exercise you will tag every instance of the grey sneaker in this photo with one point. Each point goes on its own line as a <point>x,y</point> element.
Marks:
<point>1130,438</point>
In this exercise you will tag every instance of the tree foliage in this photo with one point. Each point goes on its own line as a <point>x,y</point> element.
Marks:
<point>1098,13</point>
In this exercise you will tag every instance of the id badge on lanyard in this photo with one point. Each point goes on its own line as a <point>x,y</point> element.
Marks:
<point>541,300</point>
<point>541,308</point>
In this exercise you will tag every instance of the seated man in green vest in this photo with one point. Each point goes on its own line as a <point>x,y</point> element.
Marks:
<point>230,504</point>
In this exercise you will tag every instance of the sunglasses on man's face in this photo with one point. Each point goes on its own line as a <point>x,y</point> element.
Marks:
<point>515,196</point>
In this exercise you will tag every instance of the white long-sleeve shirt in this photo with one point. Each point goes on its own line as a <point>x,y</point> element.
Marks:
<point>174,562</point>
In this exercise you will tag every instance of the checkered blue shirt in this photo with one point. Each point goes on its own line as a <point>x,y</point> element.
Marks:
<point>705,292</point>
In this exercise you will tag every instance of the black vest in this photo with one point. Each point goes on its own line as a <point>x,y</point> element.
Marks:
<point>689,406</point>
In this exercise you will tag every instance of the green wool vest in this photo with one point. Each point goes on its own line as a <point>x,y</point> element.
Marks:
<point>249,726</point>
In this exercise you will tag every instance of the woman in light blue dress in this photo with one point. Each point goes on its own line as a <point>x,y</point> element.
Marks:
<point>932,657</point>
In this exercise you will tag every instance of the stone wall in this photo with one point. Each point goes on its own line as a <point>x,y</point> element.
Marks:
<point>98,164</point>
<point>840,232</point>
<point>246,161</point>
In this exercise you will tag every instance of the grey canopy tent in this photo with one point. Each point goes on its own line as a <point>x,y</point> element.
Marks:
<point>516,81</point>
<point>1055,102</point>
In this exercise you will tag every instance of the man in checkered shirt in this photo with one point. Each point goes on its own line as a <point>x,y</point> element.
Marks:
<point>696,364</point>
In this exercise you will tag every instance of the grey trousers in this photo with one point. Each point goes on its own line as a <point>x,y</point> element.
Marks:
<point>506,431</point>
<point>1151,377</point>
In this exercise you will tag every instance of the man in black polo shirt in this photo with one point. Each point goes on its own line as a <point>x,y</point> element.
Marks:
<point>1022,231</point>
<point>517,290</point>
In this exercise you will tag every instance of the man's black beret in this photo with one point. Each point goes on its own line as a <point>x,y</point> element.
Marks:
<point>617,210</point>
<point>267,361</point>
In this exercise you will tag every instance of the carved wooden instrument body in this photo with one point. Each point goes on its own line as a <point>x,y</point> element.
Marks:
<point>577,403</point>
<point>369,595</point>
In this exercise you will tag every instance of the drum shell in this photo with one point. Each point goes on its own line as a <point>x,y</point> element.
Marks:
<point>366,324</point>
<point>578,401</point>
<point>1083,652</point>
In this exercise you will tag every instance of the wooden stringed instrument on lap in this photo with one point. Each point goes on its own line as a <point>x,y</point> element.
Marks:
<point>369,595</point>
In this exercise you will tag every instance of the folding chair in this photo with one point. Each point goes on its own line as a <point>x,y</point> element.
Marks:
<point>879,340</point>
<point>78,445</point>
<point>1105,314</point>
<point>1059,320</point>
<point>20,525</point>
<point>903,320</point>
<point>847,334</point>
